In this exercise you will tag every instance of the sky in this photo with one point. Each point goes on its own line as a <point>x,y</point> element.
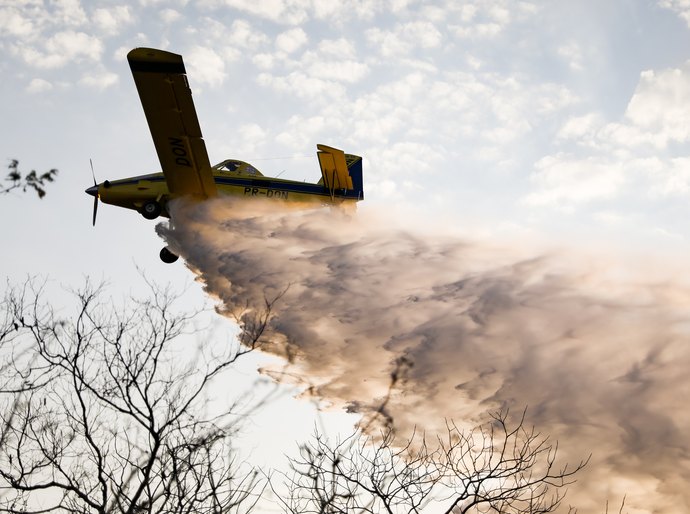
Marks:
<point>526,170</point>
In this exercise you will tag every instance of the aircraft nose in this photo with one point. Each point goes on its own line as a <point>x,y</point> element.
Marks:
<point>93,191</point>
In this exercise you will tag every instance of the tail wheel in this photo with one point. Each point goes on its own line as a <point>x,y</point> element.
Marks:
<point>151,210</point>
<point>167,256</point>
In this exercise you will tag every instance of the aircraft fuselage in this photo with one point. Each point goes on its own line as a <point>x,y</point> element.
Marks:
<point>245,181</point>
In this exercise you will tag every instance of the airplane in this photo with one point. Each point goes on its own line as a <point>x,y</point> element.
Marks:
<point>161,81</point>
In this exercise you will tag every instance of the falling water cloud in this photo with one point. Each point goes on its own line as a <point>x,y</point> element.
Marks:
<point>596,350</point>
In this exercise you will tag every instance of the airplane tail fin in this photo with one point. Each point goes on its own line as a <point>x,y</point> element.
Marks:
<point>341,173</point>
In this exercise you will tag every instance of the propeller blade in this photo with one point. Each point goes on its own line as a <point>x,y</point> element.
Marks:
<point>93,174</point>
<point>94,192</point>
<point>95,209</point>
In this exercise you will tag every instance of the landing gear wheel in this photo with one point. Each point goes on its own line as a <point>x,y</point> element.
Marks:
<point>151,210</point>
<point>167,256</point>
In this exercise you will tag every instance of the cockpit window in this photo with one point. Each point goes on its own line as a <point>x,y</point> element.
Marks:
<point>239,167</point>
<point>231,166</point>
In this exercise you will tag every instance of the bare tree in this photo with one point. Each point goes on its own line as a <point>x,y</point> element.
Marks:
<point>106,411</point>
<point>31,180</point>
<point>493,468</point>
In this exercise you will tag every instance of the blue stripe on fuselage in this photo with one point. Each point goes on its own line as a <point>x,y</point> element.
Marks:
<point>292,187</point>
<point>135,180</point>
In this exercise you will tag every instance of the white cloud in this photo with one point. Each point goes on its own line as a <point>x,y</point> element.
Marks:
<point>111,20</point>
<point>636,157</point>
<point>99,79</point>
<point>480,19</point>
<point>75,45</point>
<point>404,38</point>
<point>35,58</point>
<point>206,66</point>
<point>680,7</point>
<point>14,23</point>
<point>120,53</point>
<point>341,70</point>
<point>289,12</point>
<point>572,54</point>
<point>169,15</point>
<point>563,181</point>
<point>302,131</point>
<point>338,48</point>
<point>264,61</point>
<point>492,108</point>
<point>581,128</point>
<point>245,35</point>
<point>252,136</point>
<point>229,41</point>
<point>467,12</point>
<point>334,60</point>
<point>291,40</point>
<point>660,106</point>
<point>424,33</point>
<point>477,31</point>
<point>388,43</point>
<point>477,119</point>
<point>657,115</point>
<point>344,10</point>
<point>168,3</point>
<point>68,12</point>
<point>383,189</point>
<point>317,72</point>
<point>296,12</point>
<point>499,13</point>
<point>405,91</point>
<point>39,86</point>
<point>670,178</point>
<point>303,86</point>
<point>62,48</point>
<point>417,157</point>
<point>433,13</point>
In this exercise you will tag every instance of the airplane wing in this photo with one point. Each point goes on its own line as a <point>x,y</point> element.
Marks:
<point>334,168</point>
<point>167,101</point>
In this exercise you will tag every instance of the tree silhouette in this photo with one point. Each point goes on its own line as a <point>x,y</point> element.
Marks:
<point>493,468</point>
<point>105,411</point>
<point>32,180</point>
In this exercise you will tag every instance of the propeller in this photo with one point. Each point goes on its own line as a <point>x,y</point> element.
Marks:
<point>93,191</point>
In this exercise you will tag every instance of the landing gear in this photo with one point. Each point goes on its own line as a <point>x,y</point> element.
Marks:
<point>151,210</point>
<point>167,256</point>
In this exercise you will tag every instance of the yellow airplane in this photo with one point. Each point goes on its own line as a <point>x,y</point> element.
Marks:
<point>165,95</point>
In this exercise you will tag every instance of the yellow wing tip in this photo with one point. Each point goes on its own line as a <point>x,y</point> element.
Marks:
<point>154,60</point>
<point>327,149</point>
<point>153,54</point>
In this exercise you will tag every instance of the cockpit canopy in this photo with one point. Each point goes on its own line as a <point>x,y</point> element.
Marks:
<point>234,167</point>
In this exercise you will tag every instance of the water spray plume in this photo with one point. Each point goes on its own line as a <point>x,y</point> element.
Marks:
<point>465,327</point>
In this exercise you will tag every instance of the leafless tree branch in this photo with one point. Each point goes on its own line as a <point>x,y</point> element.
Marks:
<point>31,180</point>
<point>106,411</point>
<point>493,468</point>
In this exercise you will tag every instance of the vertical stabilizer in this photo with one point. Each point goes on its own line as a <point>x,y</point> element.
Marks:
<point>341,172</point>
